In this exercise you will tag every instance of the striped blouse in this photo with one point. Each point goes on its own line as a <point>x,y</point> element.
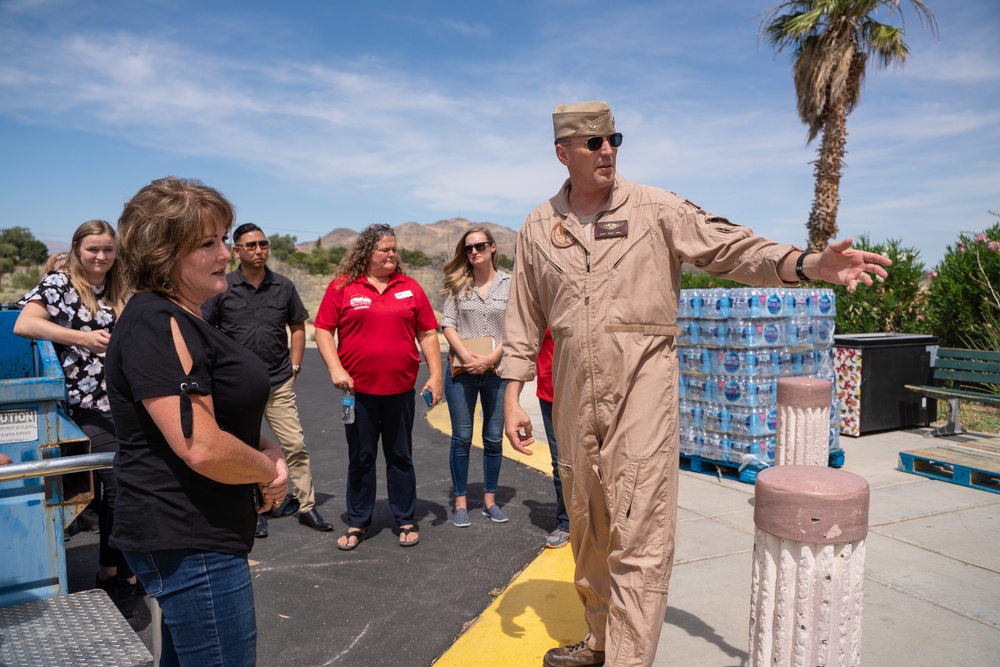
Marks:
<point>473,316</point>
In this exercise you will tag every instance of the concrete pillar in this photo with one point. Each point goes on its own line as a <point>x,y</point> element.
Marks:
<point>807,594</point>
<point>803,430</point>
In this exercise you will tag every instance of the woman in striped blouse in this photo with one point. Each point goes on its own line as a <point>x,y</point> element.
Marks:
<point>476,300</point>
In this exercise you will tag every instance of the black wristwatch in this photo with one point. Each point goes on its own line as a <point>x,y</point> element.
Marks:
<point>798,266</point>
<point>296,368</point>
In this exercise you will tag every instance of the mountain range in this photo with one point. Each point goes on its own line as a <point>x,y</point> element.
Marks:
<point>435,240</point>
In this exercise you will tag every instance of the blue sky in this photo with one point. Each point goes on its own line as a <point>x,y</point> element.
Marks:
<point>311,114</point>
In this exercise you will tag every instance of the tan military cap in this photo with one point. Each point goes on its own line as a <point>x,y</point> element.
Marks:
<point>583,119</point>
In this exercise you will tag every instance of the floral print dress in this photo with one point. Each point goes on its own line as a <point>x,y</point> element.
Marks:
<point>86,393</point>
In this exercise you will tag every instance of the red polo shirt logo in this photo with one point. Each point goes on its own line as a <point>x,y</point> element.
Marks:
<point>358,302</point>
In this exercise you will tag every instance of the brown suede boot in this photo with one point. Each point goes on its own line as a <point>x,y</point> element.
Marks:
<point>577,655</point>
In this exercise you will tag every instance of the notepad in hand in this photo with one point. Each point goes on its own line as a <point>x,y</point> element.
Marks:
<point>482,346</point>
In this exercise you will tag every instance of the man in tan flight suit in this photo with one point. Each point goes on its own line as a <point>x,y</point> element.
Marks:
<point>600,264</point>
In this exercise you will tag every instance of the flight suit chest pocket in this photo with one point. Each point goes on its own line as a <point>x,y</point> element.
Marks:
<point>559,275</point>
<point>640,289</point>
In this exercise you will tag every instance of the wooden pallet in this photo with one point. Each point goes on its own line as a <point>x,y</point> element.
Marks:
<point>972,464</point>
<point>748,475</point>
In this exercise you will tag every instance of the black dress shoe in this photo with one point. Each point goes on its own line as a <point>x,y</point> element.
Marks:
<point>314,520</point>
<point>261,526</point>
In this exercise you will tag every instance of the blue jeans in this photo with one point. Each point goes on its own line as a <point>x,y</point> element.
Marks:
<point>561,515</point>
<point>207,604</point>
<point>461,393</point>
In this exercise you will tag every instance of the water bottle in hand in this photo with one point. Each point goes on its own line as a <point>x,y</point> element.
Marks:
<point>347,407</point>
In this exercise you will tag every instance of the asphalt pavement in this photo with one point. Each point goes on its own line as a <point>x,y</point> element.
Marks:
<point>491,595</point>
<point>379,604</point>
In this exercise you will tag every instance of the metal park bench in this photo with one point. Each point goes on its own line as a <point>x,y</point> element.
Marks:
<point>968,371</point>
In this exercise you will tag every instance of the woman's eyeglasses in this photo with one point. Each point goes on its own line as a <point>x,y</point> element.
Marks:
<point>595,143</point>
<point>380,226</point>
<point>253,245</point>
<point>479,247</point>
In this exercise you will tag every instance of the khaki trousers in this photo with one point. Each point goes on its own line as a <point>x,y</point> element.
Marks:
<point>619,460</point>
<point>282,416</point>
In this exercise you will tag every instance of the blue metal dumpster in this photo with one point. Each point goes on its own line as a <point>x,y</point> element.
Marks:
<point>34,432</point>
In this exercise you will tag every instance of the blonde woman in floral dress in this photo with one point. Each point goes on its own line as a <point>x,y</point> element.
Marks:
<point>76,307</point>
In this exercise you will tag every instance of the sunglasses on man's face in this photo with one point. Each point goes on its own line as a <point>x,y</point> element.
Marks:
<point>252,245</point>
<point>480,247</point>
<point>595,143</point>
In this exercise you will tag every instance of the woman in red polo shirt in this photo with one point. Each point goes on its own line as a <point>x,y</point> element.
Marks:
<point>377,312</point>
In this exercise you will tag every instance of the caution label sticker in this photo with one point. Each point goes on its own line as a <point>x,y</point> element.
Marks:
<point>18,425</point>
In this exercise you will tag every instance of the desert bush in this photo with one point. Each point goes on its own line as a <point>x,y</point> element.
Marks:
<point>27,279</point>
<point>702,280</point>
<point>961,305</point>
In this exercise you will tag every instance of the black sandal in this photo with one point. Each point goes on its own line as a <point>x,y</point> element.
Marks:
<point>404,533</point>
<point>358,533</point>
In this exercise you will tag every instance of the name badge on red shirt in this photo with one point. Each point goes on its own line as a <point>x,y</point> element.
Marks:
<point>405,294</point>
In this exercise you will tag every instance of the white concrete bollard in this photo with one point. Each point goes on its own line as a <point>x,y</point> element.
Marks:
<point>807,594</point>
<point>803,431</point>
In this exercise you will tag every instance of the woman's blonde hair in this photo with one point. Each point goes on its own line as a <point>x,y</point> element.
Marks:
<point>115,289</point>
<point>54,259</point>
<point>163,223</point>
<point>458,276</point>
<point>357,258</point>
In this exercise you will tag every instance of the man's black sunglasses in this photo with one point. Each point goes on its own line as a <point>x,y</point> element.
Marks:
<point>595,143</point>
<point>252,245</point>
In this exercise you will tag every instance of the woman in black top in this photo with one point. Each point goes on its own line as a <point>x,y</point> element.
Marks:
<point>187,401</point>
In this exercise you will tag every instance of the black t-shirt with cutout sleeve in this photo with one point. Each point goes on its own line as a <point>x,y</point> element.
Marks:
<point>162,503</point>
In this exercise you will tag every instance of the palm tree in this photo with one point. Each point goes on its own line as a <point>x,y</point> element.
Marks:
<point>832,41</point>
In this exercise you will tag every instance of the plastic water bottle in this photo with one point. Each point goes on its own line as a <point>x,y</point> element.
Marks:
<point>347,407</point>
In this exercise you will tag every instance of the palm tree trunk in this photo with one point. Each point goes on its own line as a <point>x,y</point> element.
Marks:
<point>822,225</point>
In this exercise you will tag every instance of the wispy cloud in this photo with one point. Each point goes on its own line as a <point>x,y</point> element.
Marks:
<point>704,112</point>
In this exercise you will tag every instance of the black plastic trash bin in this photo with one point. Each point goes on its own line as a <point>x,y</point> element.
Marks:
<point>872,371</point>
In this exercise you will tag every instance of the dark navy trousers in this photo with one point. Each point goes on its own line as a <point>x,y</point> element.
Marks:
<point>389,418</point>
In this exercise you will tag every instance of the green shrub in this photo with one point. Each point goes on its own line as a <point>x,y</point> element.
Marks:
<point>896,305</point>
<point>27,279</point>
<point>320,262</point>
<point>702,280</point>
<point>961,303</point>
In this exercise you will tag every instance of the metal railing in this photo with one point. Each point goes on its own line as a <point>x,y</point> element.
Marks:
<point>62,465</point>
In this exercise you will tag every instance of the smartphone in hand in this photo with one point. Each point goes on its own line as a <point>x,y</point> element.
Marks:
<point>428,397</point>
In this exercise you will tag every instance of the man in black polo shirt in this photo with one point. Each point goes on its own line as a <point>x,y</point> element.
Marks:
<point>254,311</point>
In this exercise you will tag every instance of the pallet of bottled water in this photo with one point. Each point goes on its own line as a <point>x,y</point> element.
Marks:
<point>733,347</point>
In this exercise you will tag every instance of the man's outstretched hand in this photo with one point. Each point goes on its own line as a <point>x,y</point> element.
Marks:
<point>841,264</point>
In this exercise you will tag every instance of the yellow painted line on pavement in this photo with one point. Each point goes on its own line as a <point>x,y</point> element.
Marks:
<point>538,610</point>
<point>541,460</point>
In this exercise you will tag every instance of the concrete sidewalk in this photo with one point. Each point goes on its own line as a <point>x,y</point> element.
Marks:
<point>932,566</point>
<point>492,595</point>
<point>932,574</point>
